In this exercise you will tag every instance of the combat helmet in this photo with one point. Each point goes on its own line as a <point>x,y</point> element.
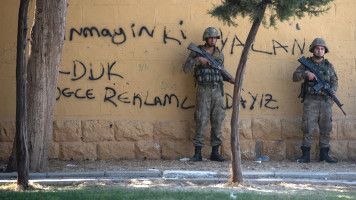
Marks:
<point>210,32</point>
<point>318,42</point>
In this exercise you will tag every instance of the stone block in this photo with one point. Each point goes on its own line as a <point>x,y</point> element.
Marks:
<point>293,151</point>
<point>178,149</point>
<point>346,129</point>
<point>54,150</point>
<point>351,151</point>
<point>334,135</point>
<point>291,129</point>
<point>247,149</point>
<point>225,130</point>
<point>205,151</point>
<point>67,131</point>
<point>339,150</point>
<point>245,130</point>
<point>116,150</point>
<point>77,151</point>
<point>98,131</point>
<point>171,131</point>
<point>150,150</point>
<point>7,131</point>
<point>266,129</point>
<point>132,130</point>
<point>314,152</point>
<point>276,150</point>
<point>5,150</point>
<point>191,129</point>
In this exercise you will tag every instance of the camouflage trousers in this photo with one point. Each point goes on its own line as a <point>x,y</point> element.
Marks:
<point>209,105</point>
<point>317,110</point>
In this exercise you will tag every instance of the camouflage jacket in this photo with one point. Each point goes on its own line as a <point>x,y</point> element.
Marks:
<point>325,68</point>
<point>204,74</point>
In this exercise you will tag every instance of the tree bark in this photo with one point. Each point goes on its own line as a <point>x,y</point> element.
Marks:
<point>21,137</point>
<point>43,68</point>
<point>235,143</point>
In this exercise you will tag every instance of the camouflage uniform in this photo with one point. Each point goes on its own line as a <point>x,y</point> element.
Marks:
<point>317,104</point>
<point>209,97</point>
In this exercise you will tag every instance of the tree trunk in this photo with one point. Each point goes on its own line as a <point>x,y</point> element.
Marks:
<point>21,87</point>
<point>47,37</point>
<point>43,68</point>
<point>235,143</point>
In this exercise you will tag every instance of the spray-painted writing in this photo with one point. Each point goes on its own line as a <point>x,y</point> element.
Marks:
<point>119,35</point>
<point>80,70</point>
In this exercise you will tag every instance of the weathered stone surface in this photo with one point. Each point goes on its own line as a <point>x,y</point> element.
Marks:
<point>291,129</point>
<point>205,151</point>
<point>266,129</point>
<point>293,151</point>
<point>276,150</point>
<point>247,149</point>
<point>78,151</point>
<point>150,150</point>
<point>346,129</point>
<point>351,151</point>
<point>54,150</point>
<point>334,135</point>
<point>171,130</point>
<point>245,129</point>
<point>314,153</point>
<point>116,150</point>
<point>67,131</point>
<point>130,130</point>
<point>177,149</point>
<point>339,149</point>
<point>191,129</point>
<point>7,131</point>
<point>98,131</point>
<point>5,150</point>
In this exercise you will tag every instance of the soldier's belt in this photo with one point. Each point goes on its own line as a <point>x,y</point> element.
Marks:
<point>208,84</point>
<point>316,97</point>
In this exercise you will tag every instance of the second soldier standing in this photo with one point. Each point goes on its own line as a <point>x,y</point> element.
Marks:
<point>209,95</point>
<point>317,107</point>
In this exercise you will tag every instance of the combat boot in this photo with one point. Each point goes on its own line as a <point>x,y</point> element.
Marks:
<point>305,158</point>
<point>324,155</point>
<point>215,156</point>
<point>197,155</point>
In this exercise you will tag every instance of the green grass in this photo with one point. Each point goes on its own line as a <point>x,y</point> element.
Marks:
<point>108,192</point>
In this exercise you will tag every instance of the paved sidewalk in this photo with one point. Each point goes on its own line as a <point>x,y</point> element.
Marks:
<point>67,178</point>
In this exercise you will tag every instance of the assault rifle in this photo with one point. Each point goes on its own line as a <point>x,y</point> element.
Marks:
<point>213,63</point>
<point>321,83</point>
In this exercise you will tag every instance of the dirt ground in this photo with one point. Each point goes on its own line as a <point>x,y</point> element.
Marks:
<point>205,165</point>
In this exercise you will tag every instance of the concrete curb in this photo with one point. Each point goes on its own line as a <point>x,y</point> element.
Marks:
<point>64,178</point>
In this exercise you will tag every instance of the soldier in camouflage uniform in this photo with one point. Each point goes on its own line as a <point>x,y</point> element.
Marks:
<point>209,95</point>
<point>317,104</point>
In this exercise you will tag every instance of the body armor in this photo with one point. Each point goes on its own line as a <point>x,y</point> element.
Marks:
<point>324,69</point>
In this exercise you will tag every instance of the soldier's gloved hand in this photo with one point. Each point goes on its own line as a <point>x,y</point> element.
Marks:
<point>203,61</point>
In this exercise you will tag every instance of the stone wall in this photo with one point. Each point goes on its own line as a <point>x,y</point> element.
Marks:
<point>133,139</point>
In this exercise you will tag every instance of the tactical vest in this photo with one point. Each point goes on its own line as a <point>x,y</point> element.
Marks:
<point>324,69</point>
<point>206,75</point>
